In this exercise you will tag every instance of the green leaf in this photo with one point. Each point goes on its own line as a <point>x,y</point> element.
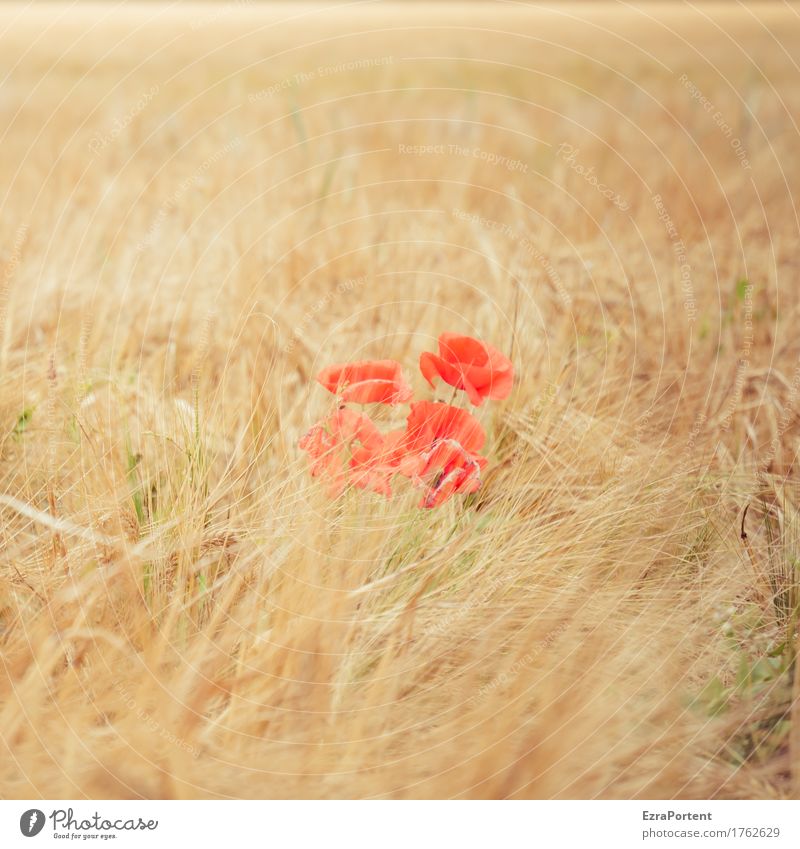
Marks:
<point>22,422</point>
<point>713,697</point>
<point>741,289</point>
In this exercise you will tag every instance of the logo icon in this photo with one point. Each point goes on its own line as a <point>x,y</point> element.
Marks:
<point>31,822</point>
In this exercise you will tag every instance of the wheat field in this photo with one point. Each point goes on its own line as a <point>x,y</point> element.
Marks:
<point>204,205</point>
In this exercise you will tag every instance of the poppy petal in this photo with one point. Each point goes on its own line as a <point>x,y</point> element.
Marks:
<point>433,366</point>
<point>471,365</point>
<point>463,349</point>
<point>367,382</point>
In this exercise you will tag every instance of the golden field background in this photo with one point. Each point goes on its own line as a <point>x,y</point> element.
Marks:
<point>205,204</point>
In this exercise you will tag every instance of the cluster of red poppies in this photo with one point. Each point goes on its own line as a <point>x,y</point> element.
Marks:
<point>438,448</point>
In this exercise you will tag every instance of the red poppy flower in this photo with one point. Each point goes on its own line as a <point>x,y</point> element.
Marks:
<point>332,444</point>
<point>367,382</point>
<point>372,467</point>
<point>430,421</point>
<point>469,364</point>
<point>439,451</point>
<point>448,469</point>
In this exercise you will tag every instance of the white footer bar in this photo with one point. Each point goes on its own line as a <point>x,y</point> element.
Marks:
<point>405,825</point>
